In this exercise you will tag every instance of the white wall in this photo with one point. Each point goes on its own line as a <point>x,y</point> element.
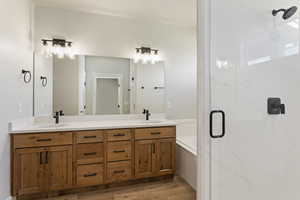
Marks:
<point>118,37</point>
<point>149,76</point>
<point>43,96</point>
<point>16,97</point>
<point>66,85</point>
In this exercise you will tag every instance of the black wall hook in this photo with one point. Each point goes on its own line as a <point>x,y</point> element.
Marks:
<point>27,75</point>
<point>44,81</point>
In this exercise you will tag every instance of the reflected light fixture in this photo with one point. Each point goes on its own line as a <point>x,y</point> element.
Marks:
<point>146,55</point>
<point>58,47</point>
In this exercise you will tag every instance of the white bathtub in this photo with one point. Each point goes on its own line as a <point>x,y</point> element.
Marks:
<point>186,151</point>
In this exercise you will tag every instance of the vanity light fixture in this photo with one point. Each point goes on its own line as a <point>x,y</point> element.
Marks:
<point>58,47</point>
<point>146,55</point>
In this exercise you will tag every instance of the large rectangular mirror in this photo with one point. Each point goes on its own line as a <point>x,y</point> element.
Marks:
<point>96,85</point>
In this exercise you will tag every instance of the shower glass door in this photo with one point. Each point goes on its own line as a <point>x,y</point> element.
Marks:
<point>254,56</point>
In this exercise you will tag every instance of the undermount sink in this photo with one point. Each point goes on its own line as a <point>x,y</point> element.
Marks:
<point>52,125</point>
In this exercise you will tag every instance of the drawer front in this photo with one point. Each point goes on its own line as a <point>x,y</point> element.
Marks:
<point>119,135</point>
<point>117,151</point>
<point>119,171</point>
<point>89,175</point>
<point>89,137</point>
<point>155,133</point>
<point>89,153</point>
<point>42,139</point>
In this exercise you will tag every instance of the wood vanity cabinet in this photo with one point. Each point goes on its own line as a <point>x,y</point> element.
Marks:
<point>155,152</point>
<point>29,172</point>
<point>58,168</point>
<point>45,162</point>
<point>38,165</point>
<point>145,158</point>
<point>166,156</point>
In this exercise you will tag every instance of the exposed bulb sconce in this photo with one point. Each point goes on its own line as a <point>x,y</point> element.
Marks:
<point>58,47</point>
<point>27,75</point>
<point>44,81</point>
<point>146,55</point>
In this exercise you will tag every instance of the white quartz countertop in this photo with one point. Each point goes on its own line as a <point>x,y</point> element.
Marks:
<point>89,125</point>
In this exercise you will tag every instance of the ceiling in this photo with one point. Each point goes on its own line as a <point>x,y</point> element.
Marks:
<point>180,12</point>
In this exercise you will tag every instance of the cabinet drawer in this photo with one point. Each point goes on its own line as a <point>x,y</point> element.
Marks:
<point>89,137</point>
<point>42,139</point>
<point>119,135</point>
<point>119,171</point>
<point>155,133</point>
<point>89,153</point>
<point>89,175</point>
<point>117,151</point>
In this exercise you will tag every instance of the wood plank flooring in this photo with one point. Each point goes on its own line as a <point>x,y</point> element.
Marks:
<point>171,189</point>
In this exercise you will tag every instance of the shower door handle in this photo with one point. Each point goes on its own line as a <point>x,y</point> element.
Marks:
<point>211,124</point>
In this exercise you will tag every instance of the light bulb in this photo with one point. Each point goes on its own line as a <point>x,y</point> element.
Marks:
<point>71,56</point>
<point>136,57</point>
<point>44,47</point>
<point>152,58</point>
<point>149,57</point>
<point>153,61</point>
<point>48,52</point>
<point>156,57</point>
<point>145,58</point>
<point>69,52</point>
<point>60,52</point>
<point>54,49</point>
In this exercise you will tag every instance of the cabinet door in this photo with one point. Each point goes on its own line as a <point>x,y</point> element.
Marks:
<point>29,171</point>
<point>166,156</point>
<point>59,167</point>
<point>145,156</point>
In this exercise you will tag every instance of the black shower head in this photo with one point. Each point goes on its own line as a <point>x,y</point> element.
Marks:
<point>287,13</point>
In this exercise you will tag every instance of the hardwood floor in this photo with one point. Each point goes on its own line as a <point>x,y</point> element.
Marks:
<point>171,189</point>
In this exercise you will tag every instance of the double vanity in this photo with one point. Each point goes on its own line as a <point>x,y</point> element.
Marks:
<point>97,135</point>
<point>47,157</point>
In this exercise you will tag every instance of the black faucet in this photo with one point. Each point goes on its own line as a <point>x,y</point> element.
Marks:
<point>57,115</point>
<point>61,113</point>
<point>147,113</point>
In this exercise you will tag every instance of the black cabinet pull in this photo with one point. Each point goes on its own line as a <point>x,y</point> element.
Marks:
<point>119,171</point>
<point>90,154</point>
<point>153,149</point>
<point>89,137</point>
<point>119,151</point>
<point>90,175</point>
<point>41,158</point>
<point>155,133</point>
<point>119,134</point>
<point>211,132</point>
<point>44,140</point>
<point>46,161</point>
